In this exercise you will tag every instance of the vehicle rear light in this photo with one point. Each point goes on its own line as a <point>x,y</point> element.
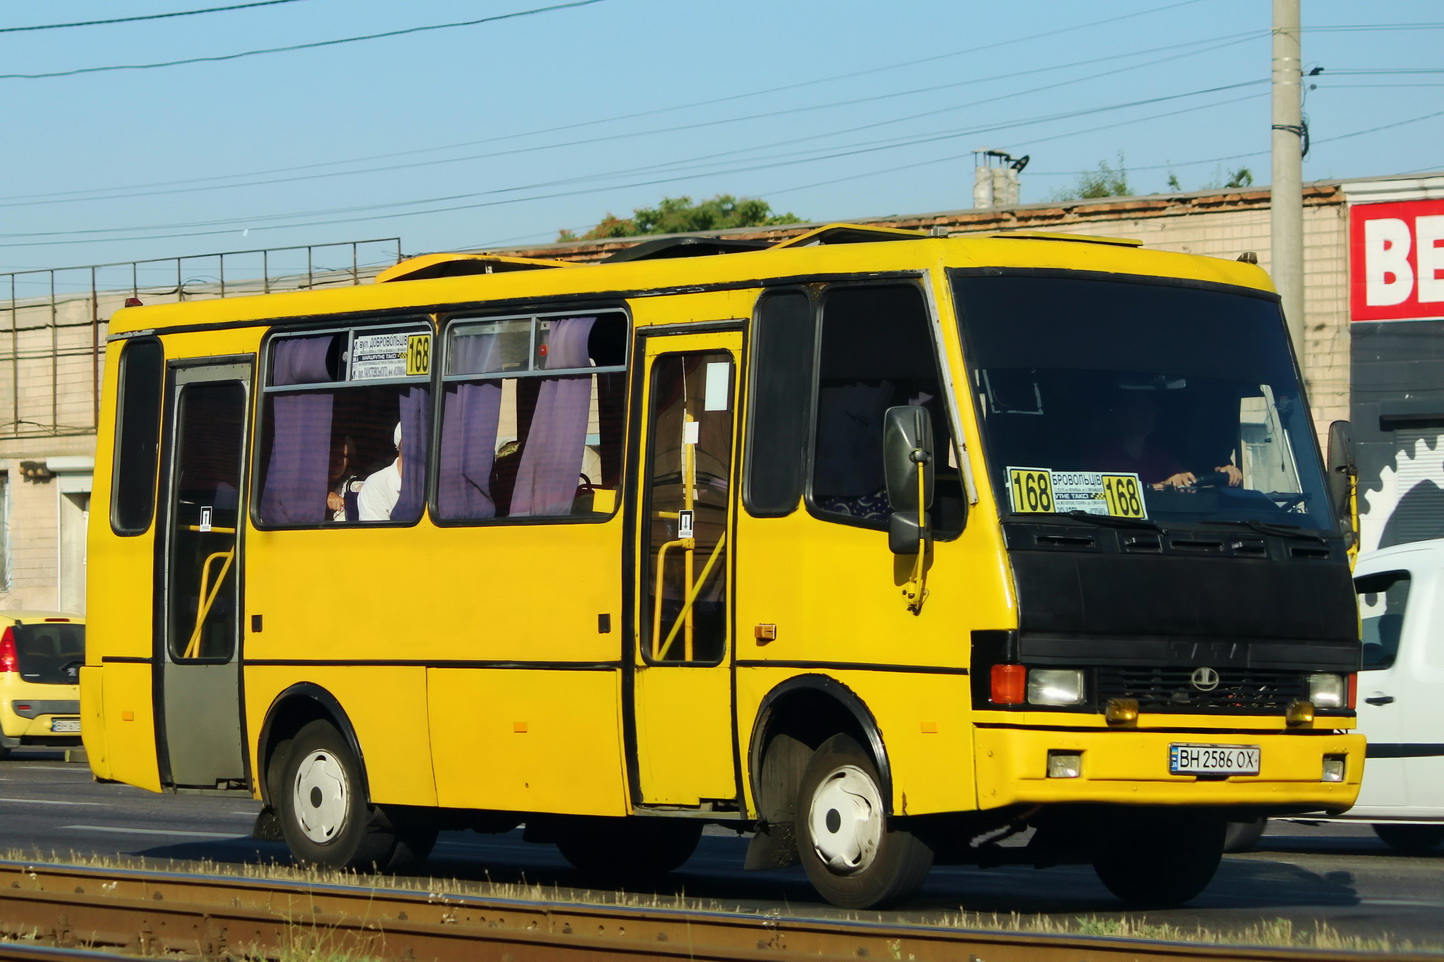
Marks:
<point>9,659</point>
<point>62,620</point>
<point>1010,685</point>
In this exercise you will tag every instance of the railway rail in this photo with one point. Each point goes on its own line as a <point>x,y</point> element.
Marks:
<point>72,912</point>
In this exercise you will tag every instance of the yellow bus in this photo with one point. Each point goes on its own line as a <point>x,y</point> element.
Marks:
<point>880,546</point>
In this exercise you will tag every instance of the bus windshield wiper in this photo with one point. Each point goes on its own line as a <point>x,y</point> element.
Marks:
<point>1269,527</point>
<point>1111,521</point>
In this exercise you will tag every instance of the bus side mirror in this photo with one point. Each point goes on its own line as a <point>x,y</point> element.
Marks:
<point>1342,469</point>
<point>907,452</point>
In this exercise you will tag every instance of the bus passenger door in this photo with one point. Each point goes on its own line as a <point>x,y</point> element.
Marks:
<point>197,651</point>
<point>682,666</point>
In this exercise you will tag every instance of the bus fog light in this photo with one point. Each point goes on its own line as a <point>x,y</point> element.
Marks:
<point>1055,686</point>
<point>1333,768</point>
<point>1327,690</point>
<point>1064,764</point>
<point>1122,711</point>
<point>1299,713</point>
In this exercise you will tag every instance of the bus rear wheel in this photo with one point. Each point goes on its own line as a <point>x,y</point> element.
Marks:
<point>853,856</point>
<point>325,817</point>
<point>1159,859</point>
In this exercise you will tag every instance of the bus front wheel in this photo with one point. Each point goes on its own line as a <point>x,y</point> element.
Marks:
<point>853,856</point>
<point>324,813</point>
<point>1159,859</point>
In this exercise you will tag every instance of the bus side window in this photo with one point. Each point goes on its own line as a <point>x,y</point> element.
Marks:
<point>532,417</point>
<point>137,435</point>
<point>328,423</point>
<point>784,345</point>
<point>876,352</point>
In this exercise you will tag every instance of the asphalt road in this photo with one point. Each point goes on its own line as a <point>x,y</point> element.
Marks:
<point>1339,875</point>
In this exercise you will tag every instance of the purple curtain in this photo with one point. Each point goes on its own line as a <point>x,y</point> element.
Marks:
<point>468,430</point>
<point>551,458</point>
<point>296,467</point>
<point>415,440</point>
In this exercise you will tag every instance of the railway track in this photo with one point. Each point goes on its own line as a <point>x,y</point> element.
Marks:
<point>69,912</point>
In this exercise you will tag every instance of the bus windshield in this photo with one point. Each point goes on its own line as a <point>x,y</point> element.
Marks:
<point>1143,400</point>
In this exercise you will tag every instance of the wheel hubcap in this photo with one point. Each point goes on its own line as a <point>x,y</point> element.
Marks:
<point>321,797</point>
<point>846,819</point>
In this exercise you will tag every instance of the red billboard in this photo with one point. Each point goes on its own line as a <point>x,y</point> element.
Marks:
<point>1396,261</point>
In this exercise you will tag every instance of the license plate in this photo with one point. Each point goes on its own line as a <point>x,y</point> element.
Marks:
<point>1213,759</point>
<point>65,724</point>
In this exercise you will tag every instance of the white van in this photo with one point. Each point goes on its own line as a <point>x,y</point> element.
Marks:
<point>1401,693</point>
<point>1400,700</point>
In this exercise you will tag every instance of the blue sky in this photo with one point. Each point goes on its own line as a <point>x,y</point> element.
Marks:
<point>507,131</point>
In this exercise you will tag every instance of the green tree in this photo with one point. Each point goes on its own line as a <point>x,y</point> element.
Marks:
<point>1234,180</point>
<point>1243,177</point>
<point>1106,181</point>
<point>678,215</point>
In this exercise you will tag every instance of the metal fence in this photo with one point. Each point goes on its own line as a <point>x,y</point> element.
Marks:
<point>51,347</point>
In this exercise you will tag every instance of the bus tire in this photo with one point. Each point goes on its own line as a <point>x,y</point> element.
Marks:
<point>627,847</point>
<point>325,816</point>
<point>1159,859</point>
<point>1409,839</point>
<point>1241,836</point>
<point>853,856</point>
<point>415,838</point>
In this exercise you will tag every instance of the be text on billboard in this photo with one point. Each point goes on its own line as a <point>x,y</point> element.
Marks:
<point>1396,260</point>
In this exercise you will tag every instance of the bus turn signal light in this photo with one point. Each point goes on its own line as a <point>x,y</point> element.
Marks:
<point>1010,684</point>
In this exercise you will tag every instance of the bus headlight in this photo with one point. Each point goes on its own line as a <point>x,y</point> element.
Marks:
<point>1055,686</point>
<point>1326,690</point>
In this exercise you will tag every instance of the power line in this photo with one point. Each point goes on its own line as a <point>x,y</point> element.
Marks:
<point>1204,46</point>
<point>1358,27</point>
<point>847,151</point>
<point>1377,73</point>
<point>1256,153</point>
<point>148,16</point>
<point>298,46</point>
<point>1224,40</point>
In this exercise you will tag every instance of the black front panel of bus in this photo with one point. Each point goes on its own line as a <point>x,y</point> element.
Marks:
<point>1282,603</point>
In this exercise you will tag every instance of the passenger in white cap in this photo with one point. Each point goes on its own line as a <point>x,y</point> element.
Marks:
<point>382,489</point>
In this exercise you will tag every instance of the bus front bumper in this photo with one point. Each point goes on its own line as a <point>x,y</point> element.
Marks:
<point>1305,771</point>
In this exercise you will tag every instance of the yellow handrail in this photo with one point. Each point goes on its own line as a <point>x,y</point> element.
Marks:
<point>208,594</point>
<point>686,611</point>
<point>687,543</point>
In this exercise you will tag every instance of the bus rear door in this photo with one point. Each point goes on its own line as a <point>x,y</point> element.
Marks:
<point>197,651</point>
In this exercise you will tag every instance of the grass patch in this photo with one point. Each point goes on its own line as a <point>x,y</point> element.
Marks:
<point>1270,933</point>
<point>312,945</point>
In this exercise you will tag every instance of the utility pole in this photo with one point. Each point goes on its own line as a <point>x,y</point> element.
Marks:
<point>1287,203</point>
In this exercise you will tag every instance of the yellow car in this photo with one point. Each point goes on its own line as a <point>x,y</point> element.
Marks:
<point>40,657</point>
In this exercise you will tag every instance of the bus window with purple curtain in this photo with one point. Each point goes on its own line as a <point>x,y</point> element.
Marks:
<point>332,403</point>
<point>532,417</point>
